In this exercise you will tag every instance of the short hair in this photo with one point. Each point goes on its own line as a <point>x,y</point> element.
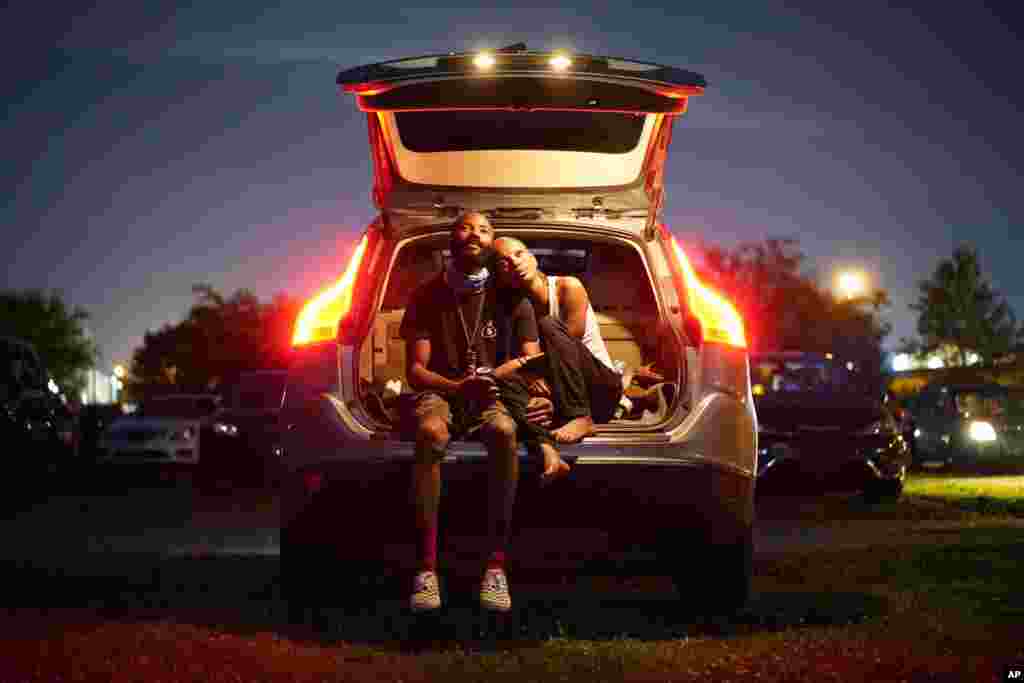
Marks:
<point>515,241</point>
<point>466,214</point>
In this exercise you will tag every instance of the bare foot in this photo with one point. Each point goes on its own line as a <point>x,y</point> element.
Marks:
<point>574,430</point>
<point>554,467</point>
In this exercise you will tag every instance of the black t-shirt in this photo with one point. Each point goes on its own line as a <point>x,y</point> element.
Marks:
<point>432,314</point>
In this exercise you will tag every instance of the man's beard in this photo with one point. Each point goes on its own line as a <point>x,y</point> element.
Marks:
<point>469,262</point>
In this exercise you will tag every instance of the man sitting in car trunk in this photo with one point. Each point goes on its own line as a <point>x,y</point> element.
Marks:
<point>453,328</point>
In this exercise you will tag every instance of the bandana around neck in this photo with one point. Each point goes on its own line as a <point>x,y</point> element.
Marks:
<point>462,283</point>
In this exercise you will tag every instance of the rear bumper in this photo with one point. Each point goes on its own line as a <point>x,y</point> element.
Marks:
<point>364,511</point>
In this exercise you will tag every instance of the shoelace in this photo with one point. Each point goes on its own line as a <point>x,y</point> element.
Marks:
<point>496,581</point>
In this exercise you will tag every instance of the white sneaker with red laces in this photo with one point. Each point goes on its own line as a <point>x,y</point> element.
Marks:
<point>494,591</point>
<point>426,595</point>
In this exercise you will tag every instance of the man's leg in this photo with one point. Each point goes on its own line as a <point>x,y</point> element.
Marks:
<point>433,417</point>
<point>498,432</point>
<point>431,439</point>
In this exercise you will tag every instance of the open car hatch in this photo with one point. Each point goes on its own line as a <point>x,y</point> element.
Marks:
<point>520,134</point>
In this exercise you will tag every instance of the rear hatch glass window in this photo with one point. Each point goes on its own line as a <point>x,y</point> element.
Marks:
<point>568,131</point>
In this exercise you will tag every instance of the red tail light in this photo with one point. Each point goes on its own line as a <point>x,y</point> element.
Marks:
<point>719,320</point>
<point>319,318</point>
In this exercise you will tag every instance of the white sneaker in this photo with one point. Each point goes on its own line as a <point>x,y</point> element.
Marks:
<point>494,591</point>
<point>426,595</point>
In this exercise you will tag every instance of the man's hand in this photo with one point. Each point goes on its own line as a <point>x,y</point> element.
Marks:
<point>540,411</point>
<point>477,388</point>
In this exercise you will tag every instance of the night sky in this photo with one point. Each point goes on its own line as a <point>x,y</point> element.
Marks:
<point>148,151</point>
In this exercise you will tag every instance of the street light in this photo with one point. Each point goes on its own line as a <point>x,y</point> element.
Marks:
<point>901,362</point>
<point>851,284</point>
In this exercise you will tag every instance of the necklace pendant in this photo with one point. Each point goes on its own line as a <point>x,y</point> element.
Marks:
<point>471,360</point>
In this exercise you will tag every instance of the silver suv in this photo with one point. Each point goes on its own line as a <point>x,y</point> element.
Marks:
<point>566,153</point>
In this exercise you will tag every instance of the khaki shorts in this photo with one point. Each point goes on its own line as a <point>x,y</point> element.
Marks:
<point>462,421</point>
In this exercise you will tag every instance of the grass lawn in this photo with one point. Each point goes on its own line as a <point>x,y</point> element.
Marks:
<point>988,494</point>
<point>949,612</point>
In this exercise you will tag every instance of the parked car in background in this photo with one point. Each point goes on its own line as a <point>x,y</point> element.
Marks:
<point>904,412</point>
<point>162,430</point>
<point>1015,422</point>
<point>93,421</point>
<point>242,443</point>
<point>820,423</point>
<point>36,428</point>
<point>567,154</point>
<point>961,424</point>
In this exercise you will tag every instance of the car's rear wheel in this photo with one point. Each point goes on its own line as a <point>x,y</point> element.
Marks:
<point>712,578</point>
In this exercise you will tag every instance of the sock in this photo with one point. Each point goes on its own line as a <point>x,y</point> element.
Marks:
<point>497,560</point>
<point>428,549</point>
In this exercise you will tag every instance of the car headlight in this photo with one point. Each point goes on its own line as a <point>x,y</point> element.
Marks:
<point>225,428</point>
<point>185,434</point>
<point>875,428</point>
<point>981,431</point>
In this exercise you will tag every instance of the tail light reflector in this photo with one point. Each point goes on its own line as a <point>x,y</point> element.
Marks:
<point>319,318</point>
<point>719,320</point>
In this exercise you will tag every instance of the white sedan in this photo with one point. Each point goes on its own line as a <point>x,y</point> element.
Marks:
<point>163,430</point>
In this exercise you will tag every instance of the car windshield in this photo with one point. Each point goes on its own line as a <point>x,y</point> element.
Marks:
<point>259,392</point>
<point>178,406</point>
<point>799,376</point>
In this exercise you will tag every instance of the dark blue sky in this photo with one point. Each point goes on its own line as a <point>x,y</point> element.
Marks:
<point>148,151</point>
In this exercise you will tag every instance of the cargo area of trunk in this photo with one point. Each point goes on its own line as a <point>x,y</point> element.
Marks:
<point>621,287</point>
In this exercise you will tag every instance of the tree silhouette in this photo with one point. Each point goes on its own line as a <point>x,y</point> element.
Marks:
<point>958,308</point>
<point>784,309</point>
<point>54,329</point>
<point>220,338</point>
